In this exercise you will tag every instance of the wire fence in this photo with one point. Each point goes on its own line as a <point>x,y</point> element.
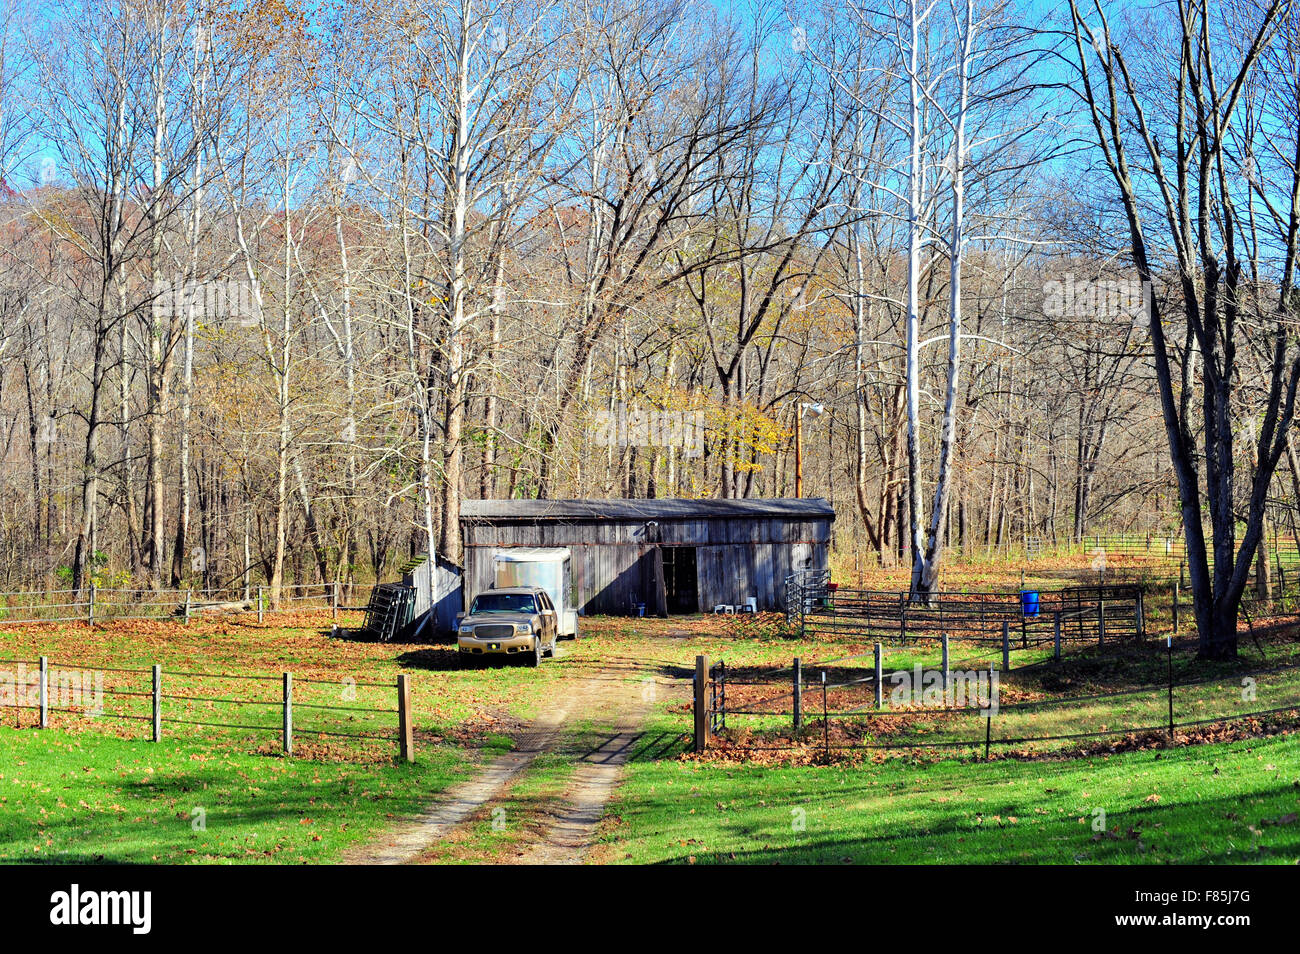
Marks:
<point>1280,549</point>
<point>95,604</point>
<point>353,716</point>
<point>1135,548</point>
<point>817,607</point>
<point>855,703</point>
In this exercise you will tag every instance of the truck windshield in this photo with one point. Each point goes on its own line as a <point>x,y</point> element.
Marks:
<point>503,603</point>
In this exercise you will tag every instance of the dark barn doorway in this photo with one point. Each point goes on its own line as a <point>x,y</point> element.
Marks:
<point>681,582</point>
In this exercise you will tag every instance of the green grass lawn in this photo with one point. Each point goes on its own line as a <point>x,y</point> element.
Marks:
<point>1222,803</point>
<point>86,798</point>
<point>96,791</point>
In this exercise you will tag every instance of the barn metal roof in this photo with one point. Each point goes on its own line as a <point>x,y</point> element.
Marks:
<point>791,508</point>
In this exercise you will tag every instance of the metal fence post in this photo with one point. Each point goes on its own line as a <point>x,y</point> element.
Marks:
<point>1176,589</point>
<point>720,689</point>
<point>406,740</point>
<point>701,703</point>
<point>45,693</point>
<point>1056,635</point>
<point>988,722</point>
<point>1101,621</point>
<point>798,693</point>
<point>90,606</point>
<point>334,600</point>
<point>1006,646</point>
<point>189,596</point>
<point>259,604</point>
<point>1169,647</point>
<point>880,688</point>
<point>826,721</point>
<point>945,662</point>
<point>157,703</point>
<point>288,714</point>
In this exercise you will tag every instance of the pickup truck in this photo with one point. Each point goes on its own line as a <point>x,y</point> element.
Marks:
<point>517,621</point>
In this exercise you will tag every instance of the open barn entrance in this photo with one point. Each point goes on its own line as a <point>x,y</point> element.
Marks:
<point>681,582</point>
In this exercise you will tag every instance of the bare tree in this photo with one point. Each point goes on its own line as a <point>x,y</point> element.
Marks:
<point>1175,167</point>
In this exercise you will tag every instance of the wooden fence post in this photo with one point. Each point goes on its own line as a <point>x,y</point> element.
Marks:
<point>45,693</point>
<point>1056,636</point>
<point>404,725</point>
<point>798,693</point>
<point>880,678</point>
<point>157,703</point>
<point>259,604</point>
<point>701,703</point>
<point>1006,646</point>
<point>288,714</point>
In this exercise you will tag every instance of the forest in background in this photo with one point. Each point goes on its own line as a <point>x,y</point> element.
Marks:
<point>282,284</point>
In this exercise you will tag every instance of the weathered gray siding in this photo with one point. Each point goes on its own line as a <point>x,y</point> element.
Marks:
<point>614,560</point>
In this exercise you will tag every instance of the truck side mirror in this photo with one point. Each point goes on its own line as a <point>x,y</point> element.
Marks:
<point>459,617</point>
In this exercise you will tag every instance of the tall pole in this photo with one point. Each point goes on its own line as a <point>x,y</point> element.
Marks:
<point>798,450</point>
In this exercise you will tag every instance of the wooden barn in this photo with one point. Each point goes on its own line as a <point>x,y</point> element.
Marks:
<point>657,556</point>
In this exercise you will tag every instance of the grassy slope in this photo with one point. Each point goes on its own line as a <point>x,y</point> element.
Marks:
<point>81,797</point>
<point>1231,802</point>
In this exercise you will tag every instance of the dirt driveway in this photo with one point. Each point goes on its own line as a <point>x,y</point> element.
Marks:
<point>615,699</point>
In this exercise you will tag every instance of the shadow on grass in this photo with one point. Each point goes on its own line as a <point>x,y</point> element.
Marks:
<point>998,828</point>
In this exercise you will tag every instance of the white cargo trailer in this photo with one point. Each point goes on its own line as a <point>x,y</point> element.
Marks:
<point>546,567</point>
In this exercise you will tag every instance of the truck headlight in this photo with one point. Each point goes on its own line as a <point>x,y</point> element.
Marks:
<point>467,630</point>
<point>525,628</point>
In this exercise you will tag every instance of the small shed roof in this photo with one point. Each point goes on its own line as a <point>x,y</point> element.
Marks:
<point>789,508</point>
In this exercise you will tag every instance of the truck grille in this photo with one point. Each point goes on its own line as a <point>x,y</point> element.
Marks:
<point>494,631</point>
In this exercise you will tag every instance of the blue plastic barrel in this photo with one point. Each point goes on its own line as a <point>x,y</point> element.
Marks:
<point>1029,602</point>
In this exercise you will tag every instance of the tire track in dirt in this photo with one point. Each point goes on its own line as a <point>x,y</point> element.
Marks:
<point>610,690</point>
<point>576,815</point>
<point>405,842</point>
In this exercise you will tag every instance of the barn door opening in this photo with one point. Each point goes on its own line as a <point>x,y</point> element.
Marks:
<point>681,581</point>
